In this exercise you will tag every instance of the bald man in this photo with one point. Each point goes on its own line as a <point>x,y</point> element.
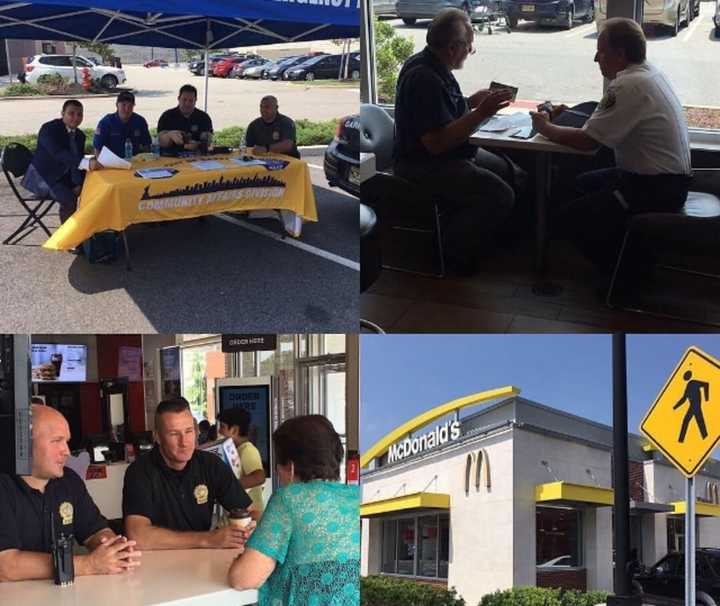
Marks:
<point>28,502</point>
<point>272,131</point>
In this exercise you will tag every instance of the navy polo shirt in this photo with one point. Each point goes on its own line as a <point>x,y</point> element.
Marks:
<point>428,98</point>
<point>195,124</point>
<point>181,500</point>
<point>112,132</point>
<point>25,512</point>
<point>266,134</point>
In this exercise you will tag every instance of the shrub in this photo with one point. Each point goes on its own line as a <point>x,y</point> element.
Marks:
<point>543,596</point>
<point>51,80</point>
<point>18,89</point>
<point>387,591</point>
<point>391,51</point>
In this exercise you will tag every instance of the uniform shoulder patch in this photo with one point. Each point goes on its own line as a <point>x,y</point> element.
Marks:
<point>608,100</point>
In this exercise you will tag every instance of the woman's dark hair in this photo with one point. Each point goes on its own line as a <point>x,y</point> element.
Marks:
<point>313,446</point>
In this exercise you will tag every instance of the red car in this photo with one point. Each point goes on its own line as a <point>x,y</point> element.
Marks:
<point>223,68</point>
<point>156,63</point>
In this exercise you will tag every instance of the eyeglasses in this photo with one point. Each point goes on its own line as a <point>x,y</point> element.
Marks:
<point>468,45</point>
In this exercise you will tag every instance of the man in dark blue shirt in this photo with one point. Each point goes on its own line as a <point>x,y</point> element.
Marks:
<point>114,129</point>
<point>433,124</point>
<point>27,504</point>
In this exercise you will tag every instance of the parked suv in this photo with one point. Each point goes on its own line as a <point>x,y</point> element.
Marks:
<point>412,10</point>
<point>342,156</point>
<point>669,13</point>
<point>324,67</point>
<point>40,65</point>
<point>664,583</point>
<point>550,12</point>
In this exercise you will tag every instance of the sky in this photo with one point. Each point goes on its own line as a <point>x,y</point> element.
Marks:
<point>404,375</point>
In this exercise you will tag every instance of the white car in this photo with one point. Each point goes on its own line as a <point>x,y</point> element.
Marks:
<point>40,65</point>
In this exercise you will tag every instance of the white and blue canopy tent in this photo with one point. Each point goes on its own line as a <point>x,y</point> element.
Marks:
<point>207,25</point>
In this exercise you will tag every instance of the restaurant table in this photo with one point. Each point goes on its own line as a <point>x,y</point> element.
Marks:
<point>113,199</point>
<point>189,577</point>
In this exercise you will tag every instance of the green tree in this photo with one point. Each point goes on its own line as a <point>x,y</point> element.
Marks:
<point>197,392</point>
<point>99,48</point>
<point>391,51</point>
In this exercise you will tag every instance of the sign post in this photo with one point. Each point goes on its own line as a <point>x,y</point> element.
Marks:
<point>684,424</point>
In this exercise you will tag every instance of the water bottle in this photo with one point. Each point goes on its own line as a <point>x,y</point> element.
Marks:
<point>243,148</point>
<point>155,146</point>
<point>128,149</point>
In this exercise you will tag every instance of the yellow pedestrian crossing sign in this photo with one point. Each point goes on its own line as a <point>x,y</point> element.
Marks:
<point>684,421</point>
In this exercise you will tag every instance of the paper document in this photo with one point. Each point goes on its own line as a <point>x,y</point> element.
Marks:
<point>496,124</point>
<point>155,173</point>
<point>207,164</point>
<point>248,162</point>
<point>110,160</point>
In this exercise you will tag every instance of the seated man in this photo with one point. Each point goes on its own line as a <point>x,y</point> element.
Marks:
<point>54,171</point>
<point>642,120</point>
<point>272,131</point>
<point>183,127</point>
<point>26,503</point>
<point>169,494</point>
<point>433,124</point>
<point>115,129</point>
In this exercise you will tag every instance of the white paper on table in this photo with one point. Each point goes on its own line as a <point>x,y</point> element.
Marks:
<point>110,160</point>
<point>503,123</point>
<point>154,173</point>
<point>251,162</point>
<point>207,164</point>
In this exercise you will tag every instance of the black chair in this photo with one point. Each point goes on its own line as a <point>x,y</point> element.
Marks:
<point>370,258</point>
<point>409,220</point>
<point>693,233</point>
<point>15,160</point>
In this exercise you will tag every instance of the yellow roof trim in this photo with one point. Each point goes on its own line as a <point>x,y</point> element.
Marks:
<point>649,447</point>
<point>418,500</point>
<point>381,446</point>
<point>580,493</point>
<point>701,509</point>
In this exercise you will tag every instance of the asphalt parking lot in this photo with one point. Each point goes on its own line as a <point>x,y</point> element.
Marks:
<point>206,276</point>
<point>231,101</point>
<point>550,63</point>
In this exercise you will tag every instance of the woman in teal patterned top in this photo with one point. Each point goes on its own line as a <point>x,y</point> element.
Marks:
<point>305,550</point>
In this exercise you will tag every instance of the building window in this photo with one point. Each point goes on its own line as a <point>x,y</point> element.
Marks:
<point>416,546</point>
<point>558,533</point>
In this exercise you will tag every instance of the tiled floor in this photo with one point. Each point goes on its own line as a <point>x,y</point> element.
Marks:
<point>500,299</point>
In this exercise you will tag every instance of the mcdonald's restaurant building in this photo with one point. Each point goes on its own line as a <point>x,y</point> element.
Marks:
<point>517,494</point>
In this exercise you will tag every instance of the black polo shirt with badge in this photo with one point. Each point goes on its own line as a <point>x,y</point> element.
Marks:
<point>25,512</point>
<point>428,98</point>
<point>266,134</point>
<point>181,500</point>
<point>196,123</point>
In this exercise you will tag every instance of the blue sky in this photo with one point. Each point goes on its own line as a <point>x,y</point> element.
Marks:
<point>404,375</point>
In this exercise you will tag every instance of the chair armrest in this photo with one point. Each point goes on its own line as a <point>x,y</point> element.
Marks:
<point>706,180</point>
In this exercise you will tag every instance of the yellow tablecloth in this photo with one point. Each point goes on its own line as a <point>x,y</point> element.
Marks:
<point>115,199</point>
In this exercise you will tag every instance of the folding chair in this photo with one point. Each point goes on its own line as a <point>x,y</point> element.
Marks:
<point>15,161</point>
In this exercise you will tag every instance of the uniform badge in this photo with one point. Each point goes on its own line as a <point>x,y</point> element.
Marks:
<point>137,133</point>
<point>201,494</point>
<point>98,131</point>
<point>608,100</point>
<point>66,513</point>
<point>194,128</point>
<point>276,135</point>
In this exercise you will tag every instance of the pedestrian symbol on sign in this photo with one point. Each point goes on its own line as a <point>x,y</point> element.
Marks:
<point>694,395</point>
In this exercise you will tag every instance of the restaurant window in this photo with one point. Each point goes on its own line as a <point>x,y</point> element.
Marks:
<point>195,385</point>
<point>416,546</point>
<point>558,533</point>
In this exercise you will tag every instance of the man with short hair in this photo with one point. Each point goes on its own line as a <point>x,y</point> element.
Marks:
<point>642,120</point>
<point>272,131</point>
<point>27,504</point>
<point>433,124</point>
<point>169,494</point>
<point>53,172</point>
<point>235,423</point>
<point>183,127</point>
<point>115,129</point>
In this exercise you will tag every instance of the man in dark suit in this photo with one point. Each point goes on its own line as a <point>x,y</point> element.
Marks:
<point>54,171</point>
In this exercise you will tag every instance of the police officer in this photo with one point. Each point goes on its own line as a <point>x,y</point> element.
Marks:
<point>27,504</point>
<point>114,129</point>
<point>183,127</point>
<point>433,122</point>
<point>272,131</point>
<point>642,120</point>
<point>169,493</point>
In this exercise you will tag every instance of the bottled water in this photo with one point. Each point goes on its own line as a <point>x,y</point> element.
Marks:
<point>128,149</point>
<point>155,146</point>
<point>243,148</point>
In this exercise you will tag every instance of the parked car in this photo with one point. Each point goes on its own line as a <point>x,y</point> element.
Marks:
<point>198,67</point>
<point>266,70</point>
<point>256,72</point>
<point>323,67</point>
<point>673,14</point>
<point>222,69</point>
<point>550,12</point>
<point>156,63</point>
<point>384,8</point>
<point>664,583</point>
<point>564,561</point>
<point>342,156</point>
<point>276,72</point>
<point>40,65</point>
<point>412,10</point>
<point>238,71</point>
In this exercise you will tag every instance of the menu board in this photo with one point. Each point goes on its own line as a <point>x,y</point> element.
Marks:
<point>53,362</point>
